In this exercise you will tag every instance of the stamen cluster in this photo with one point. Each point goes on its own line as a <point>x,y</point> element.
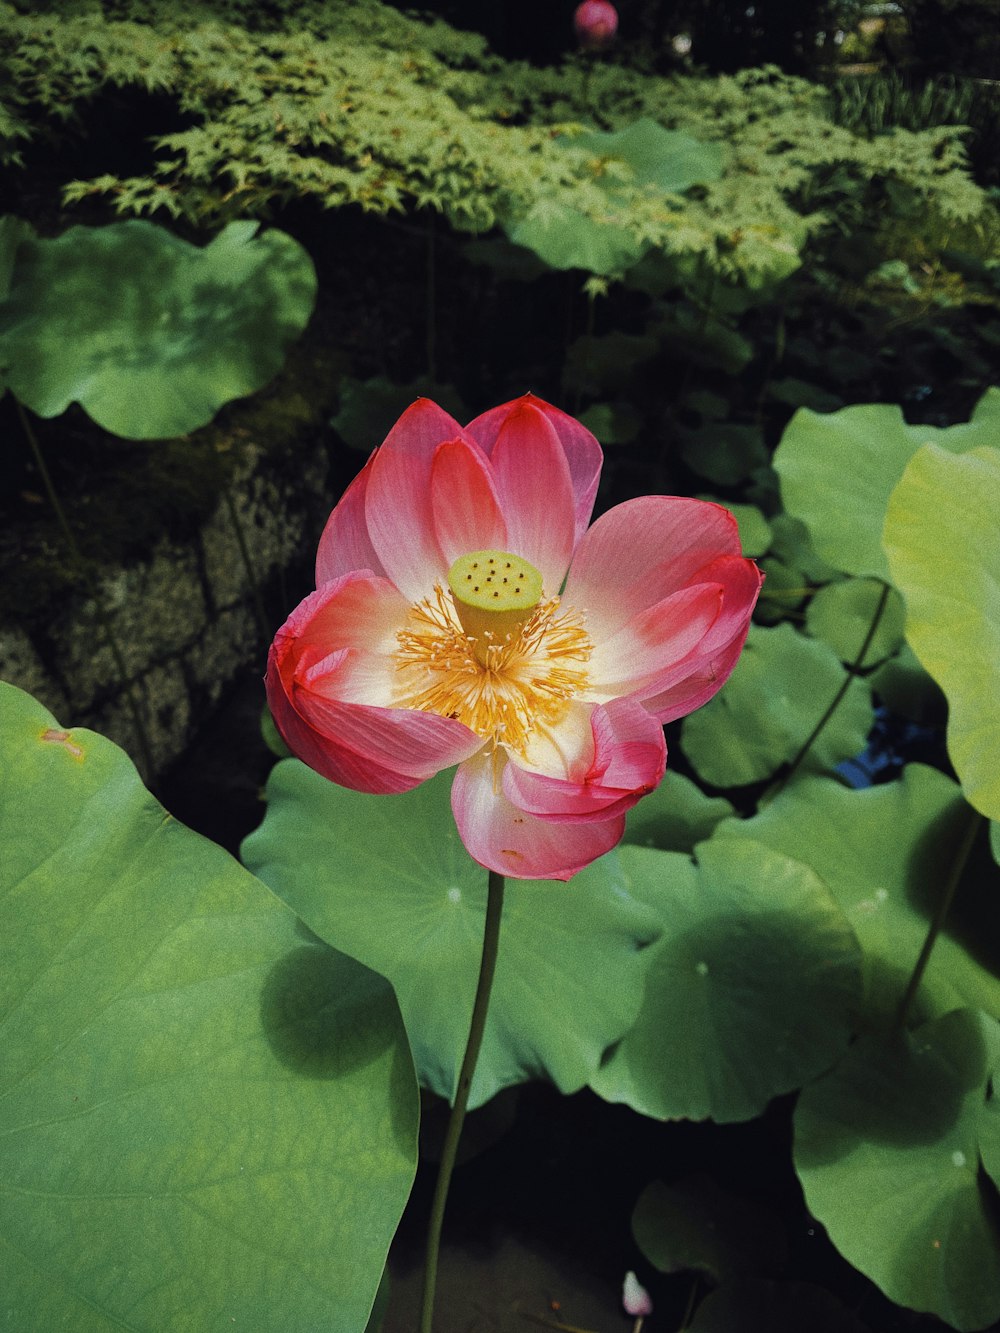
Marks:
<point>526,682</point>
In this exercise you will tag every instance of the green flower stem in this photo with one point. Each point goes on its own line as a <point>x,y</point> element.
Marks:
<point>487,966</point>
<point>974,821</point>
<point>260,615</point>
<point>142,736</point>
<point>852,671</point>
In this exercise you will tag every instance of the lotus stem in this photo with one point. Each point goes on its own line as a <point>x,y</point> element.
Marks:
<point>260,615</point>
<point>477,1025</point>
<point>974,820</point>
<point>845,685</point>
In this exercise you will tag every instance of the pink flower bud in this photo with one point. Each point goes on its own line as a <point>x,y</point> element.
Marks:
<point>595,23</point>
<point>635,1297</point>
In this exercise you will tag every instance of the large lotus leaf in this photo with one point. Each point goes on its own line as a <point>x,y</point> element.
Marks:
<point>887,1149</point>
<point>209,1118</point>
<point>752,988</point>
<point>669,159</point>
<point>675,816</point>
<point>886,853</point>
<point>388,880</point>
<point>841,614</point>
<point>779,690</point>
<point>838,470</point>
<point>942,537</point>
<point>150,334</point>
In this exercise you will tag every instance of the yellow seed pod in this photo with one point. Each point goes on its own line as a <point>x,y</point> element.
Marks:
<point>494,592</point>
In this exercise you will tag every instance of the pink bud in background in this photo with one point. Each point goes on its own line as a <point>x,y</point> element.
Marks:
<point>595,23</point>
<point>635,1297</point>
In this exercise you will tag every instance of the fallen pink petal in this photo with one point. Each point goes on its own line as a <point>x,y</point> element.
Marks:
<point>466,614</point>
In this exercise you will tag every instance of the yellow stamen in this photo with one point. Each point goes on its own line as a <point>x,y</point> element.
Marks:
<point>503,689</point>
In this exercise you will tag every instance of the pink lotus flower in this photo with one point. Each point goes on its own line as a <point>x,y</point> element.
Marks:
<point>441,633</point>
<point>595,23</point>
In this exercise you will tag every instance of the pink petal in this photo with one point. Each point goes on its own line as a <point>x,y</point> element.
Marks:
<point>708,669</point>
<point>503,838</point>
<point>629,759</point>
<point>583,453</point>
<point>652,644</point>
<point>640,552</point>
<point>536,492</point>
<point>345,544</point>
<point>329,682</point>
<point>398,508</point>
<point>467,514</point>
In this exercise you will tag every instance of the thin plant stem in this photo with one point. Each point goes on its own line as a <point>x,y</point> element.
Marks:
<point>845,685</point>
<point>260,615</point>
<point>142,736</point>
<point>477,1025</point>
<point>940,915</point>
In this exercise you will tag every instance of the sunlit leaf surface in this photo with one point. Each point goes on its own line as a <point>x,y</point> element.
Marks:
<point>942,537</point>
<point>209,1117</point>
<point>388,880</point>
<point>150,334</point>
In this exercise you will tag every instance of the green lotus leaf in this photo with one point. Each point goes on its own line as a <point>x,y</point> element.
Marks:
<point>643,154</point>
<point>612,423</point>
<point>783,592</point>
<point>388,879</point>
<point>841,615</point>
<point>675,816</point>
<point>724,452</point>
<point>209,1118</point>
<point>669,159</point>
<point>887,1148</point>
<point>150,334</point>
<point>779,690</point>
<point>755,531</point>
<point>697,1226</point>
<point>838,470</point>
<point>752,988</point>
<point>942,538</point>
<point>886,854</point>
<point>906,688</point>
<point>793,545</point>
<point>565,238</point>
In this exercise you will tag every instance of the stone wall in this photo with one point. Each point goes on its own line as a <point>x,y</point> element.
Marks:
<point>183,616</point>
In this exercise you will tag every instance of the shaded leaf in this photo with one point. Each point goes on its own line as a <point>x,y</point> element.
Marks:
<point>841,614</point>
<point>886,852</point>
<point>779,690</point>
<point>696,1225</point>
<point>751,990</point>
<point>774,1307</point>
<point>887,1150</point>
<point>675,816</point>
